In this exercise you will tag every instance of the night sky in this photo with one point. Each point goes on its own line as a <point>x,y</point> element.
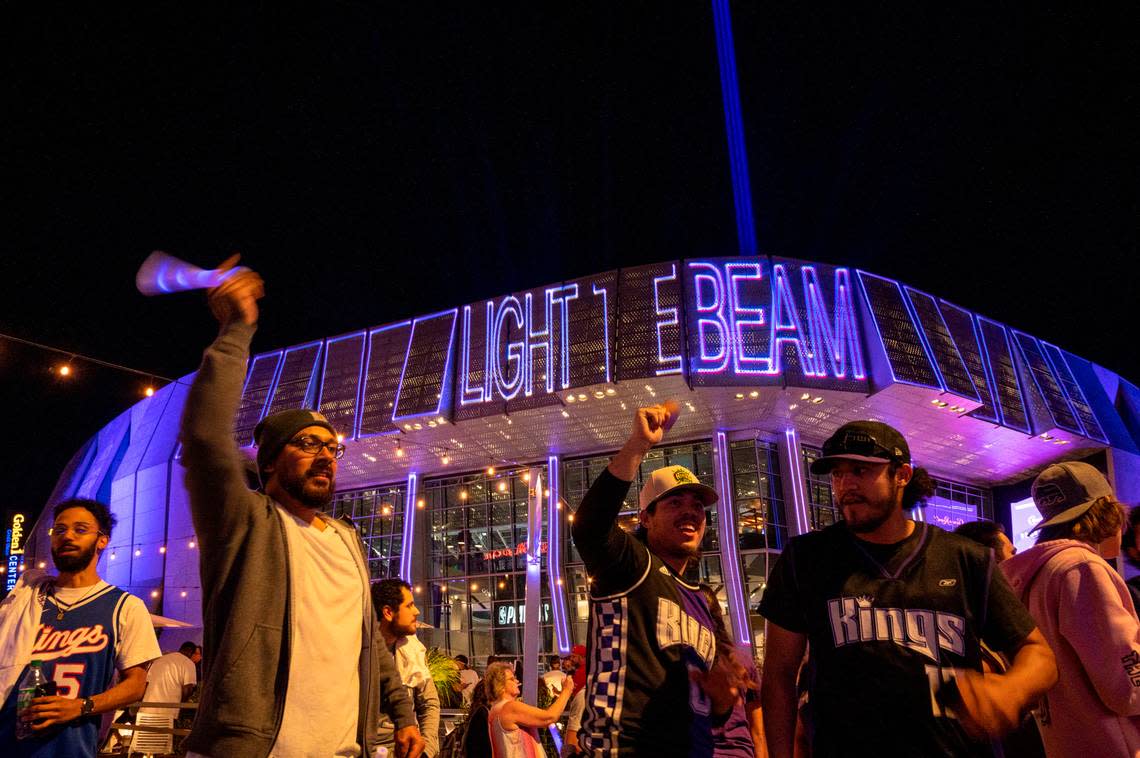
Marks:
<point>377,161</point>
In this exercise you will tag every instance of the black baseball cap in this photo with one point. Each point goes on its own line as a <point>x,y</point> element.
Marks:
<point>866,441</point>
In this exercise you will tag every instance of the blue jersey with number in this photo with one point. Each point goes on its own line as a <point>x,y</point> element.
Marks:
<point>78,654</point>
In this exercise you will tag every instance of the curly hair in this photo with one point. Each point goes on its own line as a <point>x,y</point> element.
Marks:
<point>1102,520</point>
<point>495,680</point>
<point>101,512</point>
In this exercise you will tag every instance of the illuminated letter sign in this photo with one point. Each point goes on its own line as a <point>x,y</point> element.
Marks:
<point>670,364</point>
<point>713,341</point>
<point>14,549</point>
<point>833,348</point>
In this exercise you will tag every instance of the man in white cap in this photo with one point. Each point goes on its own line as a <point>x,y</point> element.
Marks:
<point>1086,613</point>
<point>654,683</point>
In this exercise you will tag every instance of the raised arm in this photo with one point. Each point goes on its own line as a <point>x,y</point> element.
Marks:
<point>215,472</point>
<point>612,558</point>
<point>517,713</point>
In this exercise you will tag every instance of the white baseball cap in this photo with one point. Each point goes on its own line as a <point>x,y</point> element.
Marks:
<point>666,481</point>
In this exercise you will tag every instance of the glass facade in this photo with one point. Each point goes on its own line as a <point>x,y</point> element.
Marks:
<point>470,549</point>
<point>379,515</point>
<point>476,564</point>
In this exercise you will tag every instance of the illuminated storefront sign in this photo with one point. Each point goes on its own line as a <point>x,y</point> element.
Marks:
<point>14,549</point>
<point>510,552</point>
<point>511,614</point>
<point>747,320</point>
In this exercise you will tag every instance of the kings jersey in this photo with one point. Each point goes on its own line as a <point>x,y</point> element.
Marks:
<point>889,627</point>
<point>643,644</point>
<point>78,653</point>
<point>649,628</point>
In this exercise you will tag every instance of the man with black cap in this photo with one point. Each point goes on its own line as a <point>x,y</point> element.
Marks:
<point>895,612</point>
<point>287,611</point>
<point>654,684</point>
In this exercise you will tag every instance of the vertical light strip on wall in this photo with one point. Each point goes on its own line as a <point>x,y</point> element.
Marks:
<point>554,557</point>
<point>795,470</point>
<point>734,128</point>
<point>730,555</point>
<point>409,528</point>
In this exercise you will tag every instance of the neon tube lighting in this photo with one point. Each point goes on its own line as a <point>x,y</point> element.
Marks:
<point>409,528</point>
<point>730,563</point>
<point>554,557</point>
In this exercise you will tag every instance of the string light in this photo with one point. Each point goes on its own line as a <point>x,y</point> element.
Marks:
<point>182,593</point>
<point>399,450</point>
<point>421,504</point>
<point>490,470</point>
<point>162,549</point>
<point>138,551</point>
<point>154,593</point>
<point>192,544</point>
<point>446,459</point>
<point>67,369</point>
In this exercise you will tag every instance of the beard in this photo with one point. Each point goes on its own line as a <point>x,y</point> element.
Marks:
<point>72,562</point>
<point>306,491</point>
<point>877,512</point>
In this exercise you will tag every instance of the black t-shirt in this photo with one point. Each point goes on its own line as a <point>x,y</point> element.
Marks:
<point>887,626</point>
<point>649,628</point>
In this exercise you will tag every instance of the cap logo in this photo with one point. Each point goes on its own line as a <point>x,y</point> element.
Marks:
<point>855,438</point>
<point>682,476</point>
<point>1048,495</point>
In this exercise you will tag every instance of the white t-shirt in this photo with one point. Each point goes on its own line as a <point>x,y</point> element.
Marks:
<point>165,680</point>
<point>323,702</point>
<point>469,678</point>
<point>135,642</point>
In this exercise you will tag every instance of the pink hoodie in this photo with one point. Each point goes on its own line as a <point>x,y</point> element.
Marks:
<point>1083,608</point>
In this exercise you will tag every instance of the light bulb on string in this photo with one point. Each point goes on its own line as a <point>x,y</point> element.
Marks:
<point>399,450</point>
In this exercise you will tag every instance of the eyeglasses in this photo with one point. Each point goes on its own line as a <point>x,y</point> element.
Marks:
<point>79,530</point>
<point>311,445</point>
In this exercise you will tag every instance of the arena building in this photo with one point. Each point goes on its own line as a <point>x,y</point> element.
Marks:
<point>473,432</point>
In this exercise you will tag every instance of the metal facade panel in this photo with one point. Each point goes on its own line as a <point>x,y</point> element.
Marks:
<point>387,349</point>
<point>963,330</point>
<point>1074,393</point>
<point>425,382</point>
<point>107,445</point>
<point>262,373</point>
<point>1014,413</point>
<point>649,327</point>
<point>947,357</point>
<point>340,381</point>
<point>897,332</point>
<point>295,379</point>
<point>589,336</point>
<point>1047,383</point>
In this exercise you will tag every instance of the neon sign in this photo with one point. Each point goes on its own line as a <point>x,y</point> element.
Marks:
<point>14,549</point>
<point>511,552</point>
<point>752,320</point>
<point>749,325</point>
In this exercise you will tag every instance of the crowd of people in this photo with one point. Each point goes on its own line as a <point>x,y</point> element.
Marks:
<point>885,635</point>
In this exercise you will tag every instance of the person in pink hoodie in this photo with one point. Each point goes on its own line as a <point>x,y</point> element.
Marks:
<point>1085,611</point>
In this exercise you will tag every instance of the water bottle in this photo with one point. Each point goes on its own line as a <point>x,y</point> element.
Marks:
<point>31,685</point>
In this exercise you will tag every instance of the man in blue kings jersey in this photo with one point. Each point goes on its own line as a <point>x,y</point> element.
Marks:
<point>87,629</point>
<point>654,684</point>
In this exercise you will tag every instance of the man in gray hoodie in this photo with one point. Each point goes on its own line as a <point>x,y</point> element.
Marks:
<point>287,612</point>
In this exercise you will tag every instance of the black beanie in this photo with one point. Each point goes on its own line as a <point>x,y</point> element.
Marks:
<point>276,430</point>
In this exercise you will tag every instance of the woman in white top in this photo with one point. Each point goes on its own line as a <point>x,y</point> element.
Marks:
<point>511,723</point>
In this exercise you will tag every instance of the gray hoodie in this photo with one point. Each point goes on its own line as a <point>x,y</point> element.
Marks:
<point>244,567</point>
